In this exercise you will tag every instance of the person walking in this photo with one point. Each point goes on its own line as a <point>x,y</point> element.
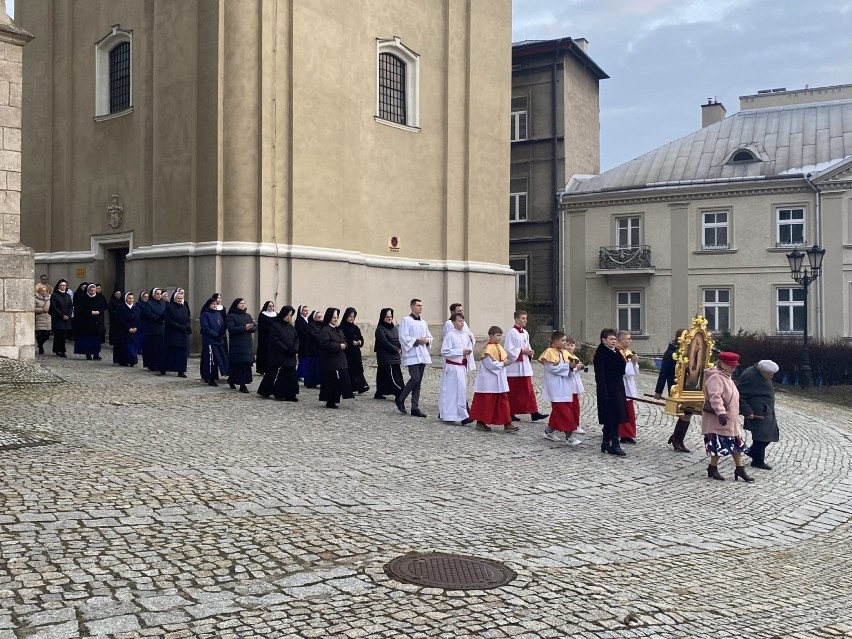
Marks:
<point>388,351</point>
<point>415,339</point>
<point>335,376</point>
<point>757,406</point>
<point>126,325</point>
<point>42,316</point>
<point>240,326</point>
<point>88,321</point>
<point>490,403</point>
<point>264,321</point>
<point>61,308</point>
<point>154,325</point>
<point>519,370</point>
<point>282,349</point>
<point>666,379</point>
<point>720,417</point>
<point>457,352</point>
<point>562,387</point>
<point>178,328</point>
<point>302,324</point>
<point>214,356</point>
<point>313,363</point>
<point>627,430</point>
<point>612,400</point>
<point>114,303</point>
<point>354,342</point>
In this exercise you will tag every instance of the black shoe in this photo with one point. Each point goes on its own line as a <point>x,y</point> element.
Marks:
<point>361,391</point>
<point>537,416</point>
<point>63,356</point>
<point>400,406</point>
<point>40,350</point>
<point>243,388</point>
<point>415,412</point>
<point>515,418</point>
<point>212,382</point>
<point>293,399</point>
<point>97,357</point>
<point>761,465</point>
<point>162,372</point>
<point>615,449</point>
<point>88,358</point>
<point>232,385</point>
<point>182,375</point>
<point>264,396</point>
<point>330,405</point>
<point>628,440</point>
<point>377,396</point>
<point>466,421</point>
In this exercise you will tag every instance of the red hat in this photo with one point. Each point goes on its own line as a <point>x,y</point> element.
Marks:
<point>729,358</point>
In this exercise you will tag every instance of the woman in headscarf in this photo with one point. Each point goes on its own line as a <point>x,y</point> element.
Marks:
<point>178,328</point>
<point>115,302</point>
<point>313,366</point>
<point>264,321</point>
<point>303,321</point>
<point>720,417</point>
<point>757,406</point>
<point>154,326</point>
<point>332,347</point>
<point>280,378</point>
<point>88,320</point>
<point>127,320</point>
<point>240,326</point>
<point>99,293</point>
<point>354,342</point>
<point>214,356</point>
<point>77,297</point>
<point>141,302</point>
<point>61,308</point>
<point>42,316</point>
<point>388,350</point>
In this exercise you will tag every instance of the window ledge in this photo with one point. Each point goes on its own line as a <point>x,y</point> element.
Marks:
<point>703,251</point>
<point>639,336</point>
<point>519,221</point>
<point>397,125</point>
<point>112,116</point>
<point>785,249</point>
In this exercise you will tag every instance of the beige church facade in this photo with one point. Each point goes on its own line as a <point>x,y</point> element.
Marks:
<point>330,153</point>
<point>704,223</point>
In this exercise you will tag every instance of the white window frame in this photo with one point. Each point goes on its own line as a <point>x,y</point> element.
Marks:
<point>412,82</point>
<point>116,36</point>
<point>791,223</point>
<point>520,120</point>
<point>629,306</point>
<point>521,275</point>
<point>711,307</point>
<point>788,307</point>
<point>630,229</point>
<point>516,198</point>
<point>715,225</point>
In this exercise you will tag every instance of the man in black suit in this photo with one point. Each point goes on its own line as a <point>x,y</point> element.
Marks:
<point>612,401</point>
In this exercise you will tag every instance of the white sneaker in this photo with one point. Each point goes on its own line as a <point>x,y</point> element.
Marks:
<point>580,431</point>
<point>552,436</point>
<point>573,441</point>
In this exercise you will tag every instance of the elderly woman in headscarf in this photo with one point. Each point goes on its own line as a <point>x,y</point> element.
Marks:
<point>240,326</point>
<point>126,325</point>
<point>720,417</point>
<point>42,316</point>
<point>214,356</point>
<point>154,325</point>
<point>115,302</point>
<point>61,309</point>
<point>354,342</point>
<point>88,321</point>
<point>176,335</point>
<point>141,302</point>
<point>280,378</point>
<point>264,321</point>
<point>332,347</point>
<point>388,351</point>
<point>757,406</point>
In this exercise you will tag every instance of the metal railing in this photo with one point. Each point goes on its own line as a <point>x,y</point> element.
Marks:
<point>625,258</point>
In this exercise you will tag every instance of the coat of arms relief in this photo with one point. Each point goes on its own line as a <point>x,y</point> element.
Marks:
<point>115,212</point>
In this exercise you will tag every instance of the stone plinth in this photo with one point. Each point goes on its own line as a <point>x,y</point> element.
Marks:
<point>17,319</point>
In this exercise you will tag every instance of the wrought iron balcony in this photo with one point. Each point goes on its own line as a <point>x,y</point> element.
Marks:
<point>625,258</point>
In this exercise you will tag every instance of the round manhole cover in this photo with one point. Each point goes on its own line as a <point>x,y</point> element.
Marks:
<point>453,572</point>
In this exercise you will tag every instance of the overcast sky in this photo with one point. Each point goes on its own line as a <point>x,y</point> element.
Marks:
<point>666,57</point>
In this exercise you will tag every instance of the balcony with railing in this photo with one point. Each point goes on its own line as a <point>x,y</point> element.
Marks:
<point>626,260</point>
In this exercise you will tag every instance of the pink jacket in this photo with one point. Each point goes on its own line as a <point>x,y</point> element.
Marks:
<point>723,398</point>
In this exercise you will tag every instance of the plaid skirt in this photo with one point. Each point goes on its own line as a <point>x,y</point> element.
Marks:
<point>722,445</point>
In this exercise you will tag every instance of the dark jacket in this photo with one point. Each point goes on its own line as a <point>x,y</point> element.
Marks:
<point>113,306</point>
<point>85,322</point>
<point>387,344</point>
<point>333,357</point>
<point>60,304</point>
<point>240,347</point>
<point>302,328</point>
<point>212,328</point>
<point>153,317</point>
<point>264,323</point>
<point>125,319</point>
<point>666,378</point>
<point>283,345</point>
<point>757,397</point>
<point>609,378</point>
<point>312,347</point>
<point>178,326</point>
<point>352,334</point>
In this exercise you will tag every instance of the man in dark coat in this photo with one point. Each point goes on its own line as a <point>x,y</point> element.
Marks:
<point>757,406</point>
<point>612,401</point>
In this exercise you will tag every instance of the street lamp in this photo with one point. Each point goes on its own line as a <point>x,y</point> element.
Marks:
<point>805,273</point>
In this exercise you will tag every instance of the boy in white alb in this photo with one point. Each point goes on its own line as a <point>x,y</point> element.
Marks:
<point>491,390</point>
<point>457,352</point>
<point>415,340</point>
<point>448,325</point>
<point>562,387</point>
<point>519,370</point>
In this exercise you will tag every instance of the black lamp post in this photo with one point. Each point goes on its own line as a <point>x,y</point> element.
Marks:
<point>805,274</point>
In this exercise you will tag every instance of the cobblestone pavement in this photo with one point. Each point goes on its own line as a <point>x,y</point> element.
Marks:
<point>166,508</point>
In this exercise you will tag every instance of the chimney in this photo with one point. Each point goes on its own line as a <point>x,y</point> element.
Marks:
<point>712,112</point>
<point>582,43</point>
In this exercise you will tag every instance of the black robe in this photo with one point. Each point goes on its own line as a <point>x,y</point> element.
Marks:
<point>609,378</point>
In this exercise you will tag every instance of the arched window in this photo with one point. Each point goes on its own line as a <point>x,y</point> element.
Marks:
<point>743,156</point>
<point>114,73</point>
<point>397,84</point>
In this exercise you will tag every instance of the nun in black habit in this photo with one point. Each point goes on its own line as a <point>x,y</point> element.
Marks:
<point>88,320</point>
<point>178,328</point>
<point>280,378</point>
<point>240,327</point>
<point>313,365</point>
<point>354,342</point>
<point>60,311</point>
<point>214,356</point>
<point>115,302</point>
<point>154,325</point>
<point>264,321</point>
<point>332,347</point>
<point>126,325</point>
<point>303,321</point>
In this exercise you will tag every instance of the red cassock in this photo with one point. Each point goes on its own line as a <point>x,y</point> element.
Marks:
<point>564,416</point>
<point>628,428</point>
<point>522,396</point>
<point>491,408</point>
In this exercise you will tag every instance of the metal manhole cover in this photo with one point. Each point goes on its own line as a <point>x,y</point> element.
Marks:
<point>452,572</point>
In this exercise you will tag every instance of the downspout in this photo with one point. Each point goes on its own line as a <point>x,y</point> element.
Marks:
<point>817,240</point>
<point>555,243</point>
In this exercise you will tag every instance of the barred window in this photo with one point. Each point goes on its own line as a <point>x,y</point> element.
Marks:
<point>119,77</point>
<point>392,105</point>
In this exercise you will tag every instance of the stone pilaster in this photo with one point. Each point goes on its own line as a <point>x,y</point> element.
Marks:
<point>17,320</point>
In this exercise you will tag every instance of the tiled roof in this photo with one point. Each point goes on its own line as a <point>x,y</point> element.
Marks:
<point>787,140</point>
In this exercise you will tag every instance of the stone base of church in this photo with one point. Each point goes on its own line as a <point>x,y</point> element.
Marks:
<point>17,319</point>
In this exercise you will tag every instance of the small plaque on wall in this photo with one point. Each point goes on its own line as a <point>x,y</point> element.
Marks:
<point>393,245</point>
<point>80,272</point>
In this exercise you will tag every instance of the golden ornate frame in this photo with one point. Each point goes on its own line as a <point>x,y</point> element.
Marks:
<point>687,395</point>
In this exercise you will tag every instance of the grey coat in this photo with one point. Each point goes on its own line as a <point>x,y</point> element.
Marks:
<point>757,397</point>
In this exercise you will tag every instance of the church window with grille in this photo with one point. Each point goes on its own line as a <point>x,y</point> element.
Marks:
<point>119,77</point>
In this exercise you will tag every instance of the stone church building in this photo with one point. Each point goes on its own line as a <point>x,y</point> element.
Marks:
<point>330,153</point>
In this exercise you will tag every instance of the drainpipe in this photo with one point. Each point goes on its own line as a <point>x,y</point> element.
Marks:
<point>818,240</point>
<point>555,244</point>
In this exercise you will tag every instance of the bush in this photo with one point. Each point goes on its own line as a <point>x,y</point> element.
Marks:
<point>831,361</point>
